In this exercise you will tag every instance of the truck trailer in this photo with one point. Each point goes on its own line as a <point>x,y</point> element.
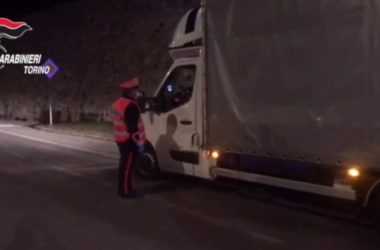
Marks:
<point>284,93</point>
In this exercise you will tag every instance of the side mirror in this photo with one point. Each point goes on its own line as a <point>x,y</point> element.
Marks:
<point>153,105</point>
<point>147,103</point>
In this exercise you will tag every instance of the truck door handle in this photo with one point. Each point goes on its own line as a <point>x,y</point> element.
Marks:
<point>186,122</point>
<point>195,138</point>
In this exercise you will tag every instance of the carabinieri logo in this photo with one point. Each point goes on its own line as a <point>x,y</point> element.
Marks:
<point>32,62</point>
<point>11,30</point>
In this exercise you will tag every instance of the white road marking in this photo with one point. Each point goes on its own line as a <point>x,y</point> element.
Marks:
<point>9,126</point>
<point>60,144</point>
<point>71,172</point>
<point>216,221</point>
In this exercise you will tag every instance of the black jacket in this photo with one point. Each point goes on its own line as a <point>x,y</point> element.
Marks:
<point>132,116</point>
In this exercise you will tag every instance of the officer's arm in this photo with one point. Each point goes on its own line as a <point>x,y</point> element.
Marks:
<point>132,115</point>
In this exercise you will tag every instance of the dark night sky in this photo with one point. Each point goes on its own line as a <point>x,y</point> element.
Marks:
<point>17,9</point>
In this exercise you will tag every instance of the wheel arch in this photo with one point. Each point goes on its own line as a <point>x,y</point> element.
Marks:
<point>372,191</point>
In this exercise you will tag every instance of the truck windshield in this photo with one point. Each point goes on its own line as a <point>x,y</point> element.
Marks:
<point>178,88</point>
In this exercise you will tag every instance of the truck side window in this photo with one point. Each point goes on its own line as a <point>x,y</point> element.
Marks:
<point>178,88</point>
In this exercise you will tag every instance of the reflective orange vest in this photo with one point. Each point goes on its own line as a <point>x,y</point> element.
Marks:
<point>120,128</point>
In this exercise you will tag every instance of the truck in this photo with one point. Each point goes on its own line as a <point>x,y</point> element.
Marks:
<point>281,93</point>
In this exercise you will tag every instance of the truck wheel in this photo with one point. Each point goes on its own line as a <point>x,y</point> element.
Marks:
<point>146,165</point>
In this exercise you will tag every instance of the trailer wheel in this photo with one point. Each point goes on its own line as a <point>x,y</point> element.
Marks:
<point>147,165</point>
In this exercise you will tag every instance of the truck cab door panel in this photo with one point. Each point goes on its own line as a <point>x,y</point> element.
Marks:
<point>174,120</point>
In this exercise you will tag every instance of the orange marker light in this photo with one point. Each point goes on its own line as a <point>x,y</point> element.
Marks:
<point>215,154</point>
<point>353,172</point>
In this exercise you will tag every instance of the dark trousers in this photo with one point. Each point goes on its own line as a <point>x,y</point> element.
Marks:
<point>128,154</point>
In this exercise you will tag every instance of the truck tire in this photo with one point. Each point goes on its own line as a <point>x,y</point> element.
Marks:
<point>147,165</point>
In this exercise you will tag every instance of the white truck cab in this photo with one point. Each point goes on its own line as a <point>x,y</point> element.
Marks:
<point>175,125</point>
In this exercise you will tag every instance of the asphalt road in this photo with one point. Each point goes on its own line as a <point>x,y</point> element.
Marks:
<point>57,197</point>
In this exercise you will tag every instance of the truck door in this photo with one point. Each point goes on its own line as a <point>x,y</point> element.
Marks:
<point>175,112</point>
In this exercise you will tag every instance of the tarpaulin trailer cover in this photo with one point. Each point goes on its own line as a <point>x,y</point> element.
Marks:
<point>295,78</point>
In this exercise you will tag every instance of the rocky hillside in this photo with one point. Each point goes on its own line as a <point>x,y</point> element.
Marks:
<point>97,44</point>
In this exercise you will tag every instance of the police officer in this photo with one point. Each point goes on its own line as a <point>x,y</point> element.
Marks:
<point>129,135</point>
